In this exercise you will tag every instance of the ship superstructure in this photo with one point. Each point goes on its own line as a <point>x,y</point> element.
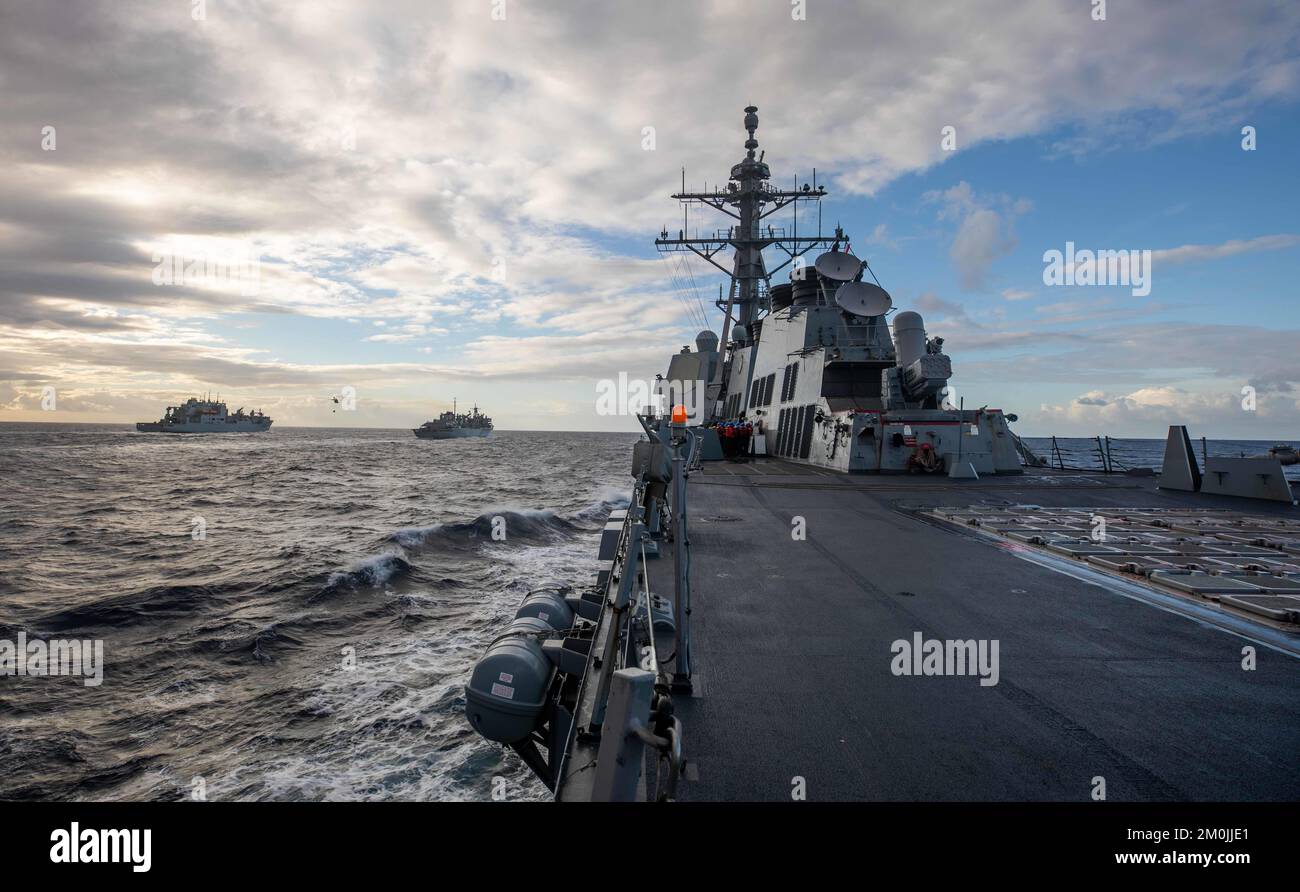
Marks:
<point>772,630</point>
<point>814,362</point>
<point>454,425</point>
<point>206,416</point>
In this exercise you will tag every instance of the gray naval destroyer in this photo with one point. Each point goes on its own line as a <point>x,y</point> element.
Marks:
<point>206,416</point>
<point>888,597</point>
<point>455,425</point>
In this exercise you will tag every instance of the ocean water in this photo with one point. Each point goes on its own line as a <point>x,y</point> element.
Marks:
<point>225,652</point>
<point>228,575</point>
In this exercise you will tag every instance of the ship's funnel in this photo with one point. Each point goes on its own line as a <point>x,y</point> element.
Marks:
<point>804,290</point>
<point>909,338</point>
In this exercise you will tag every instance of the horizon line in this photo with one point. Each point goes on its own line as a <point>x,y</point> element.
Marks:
<point>588,431</point>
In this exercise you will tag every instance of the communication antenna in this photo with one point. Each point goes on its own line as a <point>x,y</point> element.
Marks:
<point>838,265</point>
<point>863,298</point>
<point>748,200</point>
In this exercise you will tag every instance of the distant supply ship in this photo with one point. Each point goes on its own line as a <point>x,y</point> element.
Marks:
<point>205,416</point>
<point>450,425</point>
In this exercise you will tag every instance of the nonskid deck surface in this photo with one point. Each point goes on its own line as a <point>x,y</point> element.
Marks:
<point>1248,564</point>
<point>794,641</point>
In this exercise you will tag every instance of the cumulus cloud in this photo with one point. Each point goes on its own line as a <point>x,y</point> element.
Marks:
<point>1147,411</point>
<point>1137,377</point>
<point>424,165</point>
<point>937,309</point>
<point>985,229</point>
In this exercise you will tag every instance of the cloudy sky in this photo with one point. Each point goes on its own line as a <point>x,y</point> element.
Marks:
<point>457,198</point>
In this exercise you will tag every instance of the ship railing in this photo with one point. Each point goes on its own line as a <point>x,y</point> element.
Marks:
<point>615,716</point>
<point>1028,457</point>
<point>1084,455</point>
<point>1103,453</point>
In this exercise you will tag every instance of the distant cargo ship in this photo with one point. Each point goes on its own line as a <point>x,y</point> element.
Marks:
<point>205,416</point>
<point>452,425</point>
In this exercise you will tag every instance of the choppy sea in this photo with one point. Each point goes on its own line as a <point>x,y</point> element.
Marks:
<point>235,578</point>
<point>293,615</point>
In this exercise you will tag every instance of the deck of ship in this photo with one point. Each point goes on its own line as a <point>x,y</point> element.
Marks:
<point>792,647</point>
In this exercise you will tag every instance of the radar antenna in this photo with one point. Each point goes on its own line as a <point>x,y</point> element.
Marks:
<point>749,199</point>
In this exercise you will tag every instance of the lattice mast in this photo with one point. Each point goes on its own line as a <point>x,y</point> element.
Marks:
<point>749,199</point>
